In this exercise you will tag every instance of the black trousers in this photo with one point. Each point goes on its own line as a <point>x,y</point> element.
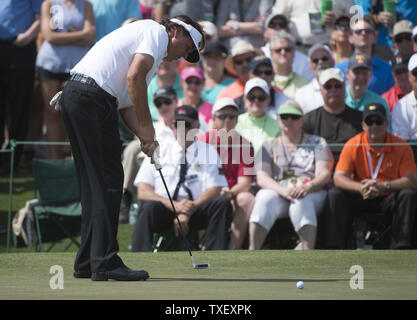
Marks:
<point>215,215</point>
<point>91,119</point>
<point>342,206</point>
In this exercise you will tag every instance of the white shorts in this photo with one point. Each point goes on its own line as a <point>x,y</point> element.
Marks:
<point>269,207</point>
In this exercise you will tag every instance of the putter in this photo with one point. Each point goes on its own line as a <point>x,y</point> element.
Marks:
<point>159,168</point>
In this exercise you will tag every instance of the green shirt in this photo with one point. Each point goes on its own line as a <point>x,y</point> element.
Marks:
<point>257,130</point>
<point>289,85</point>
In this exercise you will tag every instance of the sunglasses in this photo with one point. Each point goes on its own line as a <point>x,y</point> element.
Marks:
<point>184,123</point>
<point>190,81</point>
<point>367,31</point>
<point>323,59</point>
<point>223,116</point>
<point>401,37</point>
<point>252,98</point>
<point>265,72</point>
<point>345,27</point>
<point>161,102</point>
<point>286,50</point>
<point>289,116</point>
<point>277,25</point>
<point>329,86</point>
<point>371,121</point>
<point>241,61</point>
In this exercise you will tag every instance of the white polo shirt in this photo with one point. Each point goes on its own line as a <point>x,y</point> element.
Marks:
<point>204,169</point>
<point>404,117</point>
<point>309,97</point>
<point>109,59</point>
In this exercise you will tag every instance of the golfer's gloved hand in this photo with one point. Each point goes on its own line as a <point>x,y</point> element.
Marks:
<point>56,101</point>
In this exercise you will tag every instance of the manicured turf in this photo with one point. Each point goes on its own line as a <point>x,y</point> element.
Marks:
<point>266,275</point>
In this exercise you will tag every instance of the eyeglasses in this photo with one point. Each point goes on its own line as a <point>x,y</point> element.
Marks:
<point>328,86</point>
<point>401,37</point>
<point>367,31</point>
<point>323,59</point>
<point>342,26</point>
<point>371,121</point>
<point>289,116</point>
<point>258,73</point>
<point>240,61</point>
<point>286,50</point>
<point>178,123</point>
<point>190,81</point>
<point>223,116</point>
<point>277,25</point>
<point>160,102</point>
<point>252,98</point>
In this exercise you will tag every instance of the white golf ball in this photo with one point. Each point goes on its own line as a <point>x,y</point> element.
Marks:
<point>300,285</point>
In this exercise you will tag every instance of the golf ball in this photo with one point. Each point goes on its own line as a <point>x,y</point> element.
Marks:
<point>300,285</point>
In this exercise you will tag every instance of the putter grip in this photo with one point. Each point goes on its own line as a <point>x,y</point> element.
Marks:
<point>156,162</point>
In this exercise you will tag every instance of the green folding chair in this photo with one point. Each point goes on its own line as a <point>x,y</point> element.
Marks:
<point>58,214</point>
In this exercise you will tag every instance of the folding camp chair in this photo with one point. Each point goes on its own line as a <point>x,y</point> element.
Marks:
<point>58,214</point>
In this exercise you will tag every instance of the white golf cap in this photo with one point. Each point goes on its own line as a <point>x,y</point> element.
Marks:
<point>222,103</point>
<point>412,64</point>
<point>195,35</point>
<point>331,73</point>
<point>256,83</point>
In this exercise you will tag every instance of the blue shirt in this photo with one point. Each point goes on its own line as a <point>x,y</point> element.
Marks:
<point>17,16</point>
<point>110,14</point>
<point>382,79</point>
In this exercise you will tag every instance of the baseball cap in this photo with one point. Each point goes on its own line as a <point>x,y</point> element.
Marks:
<point>290,107</point>
<point>187,113</point>
<point>374,109</point>
<point>331,73</point>
<point>192,72</point>
<point>402,26</point>
<point>317,47</point>
<point>216,47</point>
<point>222,103</point>
<point>164,92</point>
<point>195,35</point>
<point>412,64</point>
<point>258,60</point>
<point>400,61</point>
<point>256,83</point>
<point>359,60</point>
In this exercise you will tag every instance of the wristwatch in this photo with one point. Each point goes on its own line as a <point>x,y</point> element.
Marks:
<point>387,186</point>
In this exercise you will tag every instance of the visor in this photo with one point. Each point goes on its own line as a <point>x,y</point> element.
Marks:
<point>195,36</point>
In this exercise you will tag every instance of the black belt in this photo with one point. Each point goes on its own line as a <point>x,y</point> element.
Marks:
<point>90,82</point>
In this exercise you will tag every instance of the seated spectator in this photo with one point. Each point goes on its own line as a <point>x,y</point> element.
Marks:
<point>339,40</point>
<point>273,24</point>
<point>373,177</point>
<point>194,180</point>
<point>292,171</point>
<point>359,73</point>
<point>402,32</point>
<point>237,64</point>
<point>309,96</point>
<point>334,121</point>
<point>282,54</point>
<point>192,83</point>
<point>165,100</point>
<point>404,113</point>
<point>236,156</point>
<point>62,49</point>
<point>362,37</point>
<point>399,69</point>
<point>213,60</point>
<point>255,125</point>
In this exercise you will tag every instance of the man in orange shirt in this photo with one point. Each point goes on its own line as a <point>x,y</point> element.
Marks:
<point>374,174</point>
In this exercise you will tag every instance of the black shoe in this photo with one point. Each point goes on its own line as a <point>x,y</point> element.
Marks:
<point>120,274</point>
<point>82,274</point>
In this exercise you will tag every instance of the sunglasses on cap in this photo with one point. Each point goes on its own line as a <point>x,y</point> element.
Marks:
<point>401,37</point>
<point>258,73</point>
<point>371,121</point>
<point>223,116</point>
<point>367,31</point>
<point>323,59</point>
<point>286,50</point>
<point>251,97</point>
<point>160,102</point>
<point>240,61</point>
<point>289,116</point>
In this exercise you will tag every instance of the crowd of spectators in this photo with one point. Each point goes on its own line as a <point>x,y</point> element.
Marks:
<point>295,110</point>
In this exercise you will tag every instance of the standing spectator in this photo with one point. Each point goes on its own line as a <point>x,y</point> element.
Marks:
<point>292,171</point>
<point>309,96</point>
<point>194,182</point>
<point>334,121</point>
<point>282,54</point>
<point>399,69</point>
<point>213,61</point>
<point>402,36</point>
<point>19,27</point>
<point>236,156</point>
<point>63,47</point>
<point>404,113</point>
<point>363,36</point>
<point>358,73</point>
<point>339,40</point>
<point>255,125</point>
<point>373,177</point>
<point>238,65</point>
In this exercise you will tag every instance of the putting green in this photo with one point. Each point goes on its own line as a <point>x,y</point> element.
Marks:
<point>233,275</point>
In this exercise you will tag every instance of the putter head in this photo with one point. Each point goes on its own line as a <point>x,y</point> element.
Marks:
<point>201,266</point>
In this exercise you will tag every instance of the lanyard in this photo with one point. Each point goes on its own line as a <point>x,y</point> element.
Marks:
<point>374,174</point>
